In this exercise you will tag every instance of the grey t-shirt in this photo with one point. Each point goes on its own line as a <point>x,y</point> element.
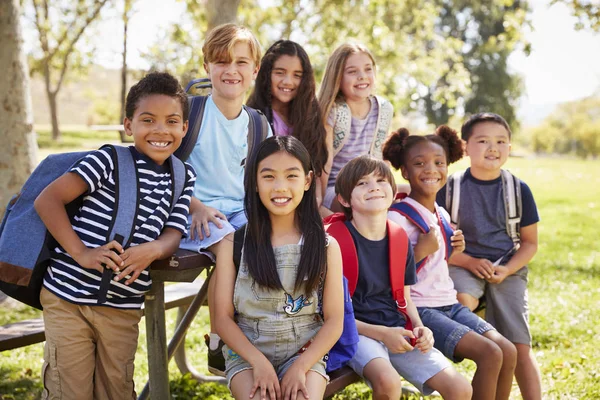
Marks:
<point>373,301</point>
<point>484,225</point>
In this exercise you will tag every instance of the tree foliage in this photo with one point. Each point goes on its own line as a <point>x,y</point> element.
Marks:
<point>60,26</point>
<point>572,128</point>
<point>587,13</point>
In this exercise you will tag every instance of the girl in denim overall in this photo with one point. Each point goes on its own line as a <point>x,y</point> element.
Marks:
<point>283,310</point>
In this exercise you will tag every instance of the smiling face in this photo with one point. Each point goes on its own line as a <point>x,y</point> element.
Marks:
<point>358,78</point>
<point>372,194</point>
<point>232,75</point>
<point>426,169</point>
<point>488,147</point>
<point>281,183</point>
<point>286,76</point>
<point>157,126</point>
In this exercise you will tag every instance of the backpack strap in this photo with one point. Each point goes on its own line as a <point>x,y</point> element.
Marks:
<point>122,225</point>
<point>513,205</point>
<point>238,243</point>
<point>341,125</point>
<point>384,118</point>
<point>411,214</point>
<point>453,196</point>
<point>258,129</point>
<point>197,105</point>
<point>340,232</point>
<point>178,175</point>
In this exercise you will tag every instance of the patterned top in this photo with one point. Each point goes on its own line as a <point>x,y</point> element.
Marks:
<point>67,279</point>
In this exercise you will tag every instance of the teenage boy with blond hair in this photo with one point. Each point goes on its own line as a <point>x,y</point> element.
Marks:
<point>231,59</point>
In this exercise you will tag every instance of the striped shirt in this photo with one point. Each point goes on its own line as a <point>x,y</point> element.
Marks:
<point>67,279</point>
<point>359,139</point>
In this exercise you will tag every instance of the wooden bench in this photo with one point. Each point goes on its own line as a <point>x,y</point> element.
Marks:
<point>25,333</point>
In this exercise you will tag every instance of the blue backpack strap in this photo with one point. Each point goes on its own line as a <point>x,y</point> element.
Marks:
<point>178,176</point>
<point>447,231</point>
<point>258,129</point>
<point>411,213</point>
<point>197,105</point>
<point>126,206</point>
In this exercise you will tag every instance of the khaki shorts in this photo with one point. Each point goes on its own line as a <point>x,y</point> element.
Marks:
<point>89,350</point>
<point>507,306</point>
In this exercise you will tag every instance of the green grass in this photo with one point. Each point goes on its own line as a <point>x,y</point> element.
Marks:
<point>564,297</point>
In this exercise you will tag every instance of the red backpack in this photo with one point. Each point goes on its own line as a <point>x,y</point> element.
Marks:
<point>335,226</point>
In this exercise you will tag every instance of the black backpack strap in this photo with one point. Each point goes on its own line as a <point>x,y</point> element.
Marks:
<point>258,129</point>
<point>197,106</point>
<point>122,225</point>
<point>238,243</point>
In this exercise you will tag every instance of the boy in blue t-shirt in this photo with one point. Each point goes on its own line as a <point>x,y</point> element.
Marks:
<point>90,346</point>
<point>365,189</point>
<point>492,264</point>
<point>231,59</point>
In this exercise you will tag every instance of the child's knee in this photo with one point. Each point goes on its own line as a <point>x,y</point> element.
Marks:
<point>387,383</point>
<point>468,301</point>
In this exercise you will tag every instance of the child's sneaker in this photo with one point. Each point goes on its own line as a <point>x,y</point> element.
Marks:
<point>216,361</point>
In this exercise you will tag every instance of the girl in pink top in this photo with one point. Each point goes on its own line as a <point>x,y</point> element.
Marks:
<point>458,333</point>
<point>285,91</point>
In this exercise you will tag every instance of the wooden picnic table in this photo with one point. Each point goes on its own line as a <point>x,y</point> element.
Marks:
<point>183,266</point>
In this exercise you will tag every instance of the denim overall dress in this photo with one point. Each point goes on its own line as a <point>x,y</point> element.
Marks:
<point>277,322</point>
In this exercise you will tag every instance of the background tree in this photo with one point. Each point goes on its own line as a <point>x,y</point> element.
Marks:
<point>586,11</point>
<point>489,32</point>
<point>127,12</point>
<point>60,26</point>
<point>16,131</point>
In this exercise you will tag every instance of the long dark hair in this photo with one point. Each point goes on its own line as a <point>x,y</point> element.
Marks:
<point>305,115</point>
<point>258,251</point>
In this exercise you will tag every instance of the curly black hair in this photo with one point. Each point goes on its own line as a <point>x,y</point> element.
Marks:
<point>156,83</point>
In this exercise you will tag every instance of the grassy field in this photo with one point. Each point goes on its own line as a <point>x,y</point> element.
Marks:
<point>564,297</point>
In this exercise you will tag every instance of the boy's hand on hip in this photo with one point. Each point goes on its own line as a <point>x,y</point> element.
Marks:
<point>394,340</point>
<point>200,219</point>
<point>101,256</point>
<point>424,338</point>
<point>457,240</point>
<point>294,381</point>
<point>481,268</point>
<point>500,274</point>
<point>265,380</point>
<point>135,260</point>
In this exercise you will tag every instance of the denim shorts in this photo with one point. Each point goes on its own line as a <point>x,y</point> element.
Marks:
<point>414,366</point>
<point>449,324</point>
<point>279,341</point>
<point>234,221</point>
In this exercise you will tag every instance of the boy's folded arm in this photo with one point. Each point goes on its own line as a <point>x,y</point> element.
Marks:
<point>50,206</point>
<point>527,249</point>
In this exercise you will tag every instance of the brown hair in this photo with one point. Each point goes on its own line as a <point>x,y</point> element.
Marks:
<point>220,41</point>
<point>354,171</point>
<point>400,142</point>
<point>467,128</point>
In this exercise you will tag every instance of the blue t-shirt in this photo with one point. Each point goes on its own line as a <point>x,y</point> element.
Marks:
<point>219,159</point>
<point>484,225</point>
<point>67,279</point>
<point>373,301</point>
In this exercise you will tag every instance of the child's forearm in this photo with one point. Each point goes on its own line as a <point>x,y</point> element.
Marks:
<point>232,335</point>
<point>372,331</point>
<point>166,244</point>
<point>459,259</point>
<point>521,257</point>
<point>322,343</point>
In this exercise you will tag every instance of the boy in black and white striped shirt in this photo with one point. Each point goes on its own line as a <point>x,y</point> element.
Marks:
<point>90,347</point>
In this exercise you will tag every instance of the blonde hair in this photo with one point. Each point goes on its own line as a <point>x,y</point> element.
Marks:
<point>220,41</point>
<point>330,86</point>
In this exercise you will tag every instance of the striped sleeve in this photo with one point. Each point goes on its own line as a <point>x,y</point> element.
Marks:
<point>179,216</point>
<point>95,169</point>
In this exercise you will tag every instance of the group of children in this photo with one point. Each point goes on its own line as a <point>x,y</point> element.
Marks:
<point>277,300</point>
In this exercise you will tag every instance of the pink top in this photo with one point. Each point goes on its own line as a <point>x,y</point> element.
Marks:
<point>280,127</point>
<point>434,287</point>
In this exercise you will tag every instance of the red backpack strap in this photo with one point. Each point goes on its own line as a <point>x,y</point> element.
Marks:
<point>340,232</point>
<point>398,253</point>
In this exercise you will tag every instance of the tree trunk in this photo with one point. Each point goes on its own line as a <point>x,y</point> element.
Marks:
<point>126,8</point>
<point>221,12</point>
<point>54,115</point>
<point>18,152</point>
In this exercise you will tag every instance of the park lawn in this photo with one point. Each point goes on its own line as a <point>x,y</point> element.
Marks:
<point>564,296</point>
